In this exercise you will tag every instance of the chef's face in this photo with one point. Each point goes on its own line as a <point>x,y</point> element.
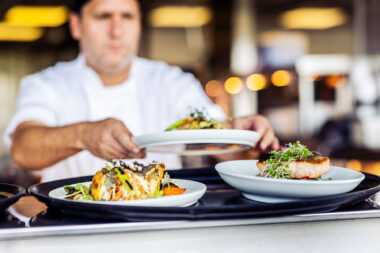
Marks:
<point>108,32</point>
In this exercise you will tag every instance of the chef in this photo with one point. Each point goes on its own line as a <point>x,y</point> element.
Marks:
<point>72,116</point>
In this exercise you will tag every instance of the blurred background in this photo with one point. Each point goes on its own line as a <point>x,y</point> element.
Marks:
<point>311,66</point>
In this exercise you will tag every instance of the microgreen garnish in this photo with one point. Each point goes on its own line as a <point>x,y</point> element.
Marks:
<point>278,163</point>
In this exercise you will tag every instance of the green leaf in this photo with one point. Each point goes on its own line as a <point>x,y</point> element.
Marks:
<point>177,124</point>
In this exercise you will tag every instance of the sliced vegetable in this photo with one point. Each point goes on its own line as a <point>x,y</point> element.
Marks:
<point>123,180</point>
<point>177,124</point>
<point>173,191</point>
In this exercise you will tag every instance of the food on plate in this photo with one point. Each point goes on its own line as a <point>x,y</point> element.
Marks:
<point>196,120</point>
<point>4,195</point>
<point>294,162</point>
<point>120,181</point>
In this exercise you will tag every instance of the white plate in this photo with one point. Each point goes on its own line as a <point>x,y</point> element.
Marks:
<point>224,140</point>
<point>194,191</point>
<point>242,175</point>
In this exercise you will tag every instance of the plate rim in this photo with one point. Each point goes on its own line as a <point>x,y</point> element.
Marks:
<point>7,202</point>
<point>202,189</point>
<point>180,133</point>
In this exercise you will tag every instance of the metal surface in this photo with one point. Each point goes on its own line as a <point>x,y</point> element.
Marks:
<point>17,233</point>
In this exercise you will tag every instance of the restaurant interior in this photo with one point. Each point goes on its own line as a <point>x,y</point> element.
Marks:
<point>310,66</point>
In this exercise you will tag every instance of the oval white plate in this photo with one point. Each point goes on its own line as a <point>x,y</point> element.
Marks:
<point>194,191</point>
<point>242,175</point>
<point>169,142</point>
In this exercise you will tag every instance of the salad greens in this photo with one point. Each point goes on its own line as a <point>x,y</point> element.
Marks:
<point>197,120</point>
<point>78,192</point>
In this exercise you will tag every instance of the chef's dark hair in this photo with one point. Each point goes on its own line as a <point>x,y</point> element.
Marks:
<point>77,5</point>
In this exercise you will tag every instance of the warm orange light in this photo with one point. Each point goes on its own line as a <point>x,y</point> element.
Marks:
<point>281,78</point>
<point>233,85</point>
<point>256,82</point>
<point>180,16</point>
<point>372,168</point>
<point>354,165</point>
<point>335,81</point>
<point>37,16</point>
<point>213,88</point>
<point>15,33</point>
<point>313,18</point>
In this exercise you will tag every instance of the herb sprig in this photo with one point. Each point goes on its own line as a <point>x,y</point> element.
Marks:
<point>277,166</point>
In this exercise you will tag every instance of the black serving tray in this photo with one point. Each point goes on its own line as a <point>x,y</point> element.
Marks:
<point>16,191</point>
<point>220,201</point>
<point>7,220</point>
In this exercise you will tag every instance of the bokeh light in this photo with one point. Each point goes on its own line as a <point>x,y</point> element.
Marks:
<point>256,82</point>
<point>335,81</point>
<point>281,78</point>
<point>233,85</point>
<point>354,165</point>
<point>37,16</point>
<point>180,16</point>
<point>213,88</point>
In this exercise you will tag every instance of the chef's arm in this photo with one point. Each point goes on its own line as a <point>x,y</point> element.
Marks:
<point>36,146</point>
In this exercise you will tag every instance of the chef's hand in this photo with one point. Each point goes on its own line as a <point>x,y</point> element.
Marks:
<point>261,125</point>
<point>110,138</point>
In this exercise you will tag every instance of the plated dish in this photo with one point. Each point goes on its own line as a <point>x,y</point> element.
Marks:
<point>133,185</point>
<point>244,175</point>
<point>165,141</point>
<point>197,134</point>
<point>288,175</point>
<point>196,120</point>
<point>194,191</point>
<point>220,201</point>
<point>295,161</point>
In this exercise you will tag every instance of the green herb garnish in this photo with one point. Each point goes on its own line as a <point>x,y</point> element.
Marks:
<point>278,163</point>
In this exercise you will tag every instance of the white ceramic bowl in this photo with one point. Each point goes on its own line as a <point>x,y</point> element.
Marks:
<point>242,175</point>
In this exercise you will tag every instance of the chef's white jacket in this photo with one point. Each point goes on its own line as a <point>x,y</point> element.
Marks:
<point>153,97</point>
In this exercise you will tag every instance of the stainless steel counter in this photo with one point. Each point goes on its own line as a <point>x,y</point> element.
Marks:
<point>345,231</point>
<point>291,235</point>
<point>33,232</point>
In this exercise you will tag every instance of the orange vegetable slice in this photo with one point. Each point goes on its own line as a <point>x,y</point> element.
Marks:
<point>173,191</point>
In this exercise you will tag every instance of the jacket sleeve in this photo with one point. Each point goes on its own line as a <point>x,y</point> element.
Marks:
<point>35,101</point>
